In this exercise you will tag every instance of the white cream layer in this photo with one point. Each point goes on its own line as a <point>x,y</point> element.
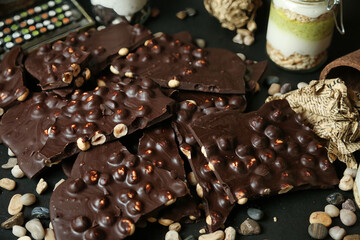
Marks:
<point>309,9</point>
<point>288,43</point>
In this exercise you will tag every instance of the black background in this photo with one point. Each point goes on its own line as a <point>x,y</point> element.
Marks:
<point>292,209</point>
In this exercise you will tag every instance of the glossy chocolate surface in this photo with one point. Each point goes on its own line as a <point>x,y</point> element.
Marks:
<point>269,151</point>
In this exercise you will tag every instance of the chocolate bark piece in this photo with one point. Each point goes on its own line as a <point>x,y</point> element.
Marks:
<point>23,128</point>
<point>254,72</point>
<point>216,202</point>
<point>264,152</point>
<point>87,119</point>
<point>12,88</point>
<point>105,44</point>
<point>111,190</point>
<point>57,65</point>
<point>179,64</point>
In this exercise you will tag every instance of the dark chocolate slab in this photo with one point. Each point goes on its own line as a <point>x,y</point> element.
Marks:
<point>167,58</point>
<point>12,88</point>
<point>23,128</point>
<point>87,119</point>
<point>269,151</point>
<point>108,194</point>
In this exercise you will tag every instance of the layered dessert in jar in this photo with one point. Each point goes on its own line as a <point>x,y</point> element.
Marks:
<point>299,33</point>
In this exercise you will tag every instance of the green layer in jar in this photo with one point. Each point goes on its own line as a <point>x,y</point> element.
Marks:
<point>312,31</point>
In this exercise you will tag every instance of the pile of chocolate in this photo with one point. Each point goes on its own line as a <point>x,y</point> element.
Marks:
<point>98,90</point>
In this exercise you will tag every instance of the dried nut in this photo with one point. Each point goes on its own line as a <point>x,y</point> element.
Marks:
<point>123,51</point>
<point>190,11</point>
<point>82,144</point>
<point>76,69</point>
<point>230,233</point>
<point>51,226</point>
<point>249,40</point>
<point>202,231</point>
<point>35,228</point>
<point>320,217</point>
<point>1,111</point>
<point>18,231</point>
<point>251,26</point>
<point>199,190</point>
<point>129,74</point>
<point>15,205</point>
<point>49,234</point>
<point>218,235</point>
<point>28,199</point>
<point>346,183</point>
<point>193,218</point>
<point>200,42</point>
<point>191,178</point>
<point>332,210</point>
<point>208,220</point>
<point>17,172</point>
<point>114,70</point>
<point>86,74</point>
<point>7,184</point>
<point>181,15</point>
<point>10,164</point>
<point>11,153</point>
<point>151,220</point>
<point>24,95</point>
<point>241,56</point>
<point>165,222</point>
<point>347,217</point>
<point>274,88</point>
<point>242,201</point>
<point>337,233</point>
<point>79,82</point>
<point>120,130</point>
<point>17,219</point>
<point>101,83</point>
<point>171,201</point>
<point>238,39</point>
<point>158,34</point>
<point>175,227</point>
<point>41,186</point>
<point>24,238</point>
<point>98,139</point>
<point>286,189</point>
<point>67,77</point>
<point>173,83</point>
<point>58,183</point>
<point>172,235</point>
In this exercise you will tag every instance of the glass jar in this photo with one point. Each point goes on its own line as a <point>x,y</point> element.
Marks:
<point>299,32</point>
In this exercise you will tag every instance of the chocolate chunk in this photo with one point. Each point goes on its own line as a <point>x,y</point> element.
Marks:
<point>57,65</point>
<point>180,64</point>
<point>86,119</point>
<point>274,165</point>
<point>12,86</point>
<point>109,193</point>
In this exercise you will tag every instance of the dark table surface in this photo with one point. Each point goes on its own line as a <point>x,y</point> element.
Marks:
<point>292,210</point>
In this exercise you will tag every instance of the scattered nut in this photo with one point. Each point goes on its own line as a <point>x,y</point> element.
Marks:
<point>35,228</point>
<point>200,42</point>
<point>41,186</point>
<point>242,201</point>
<point>82,144</point>
<point>151,220</point>
<point>24,95</point>
<point>181,15</point>
<point>11,153</point>
<point>24,238</point>
<point>15,205</point>
<point>98,139</point>
<point>10,164</point>
<point>120,130</point>
<point>190,12</point>
<point>49,234</point>
<point>241,56</point>
<point>172,235</point>
<point>218,235</point>
<point>58,183</point>
<point>17,219</point>
<point>18,231</point>
<point>7,184</point>
<point>17,172</point>
<point>251,26</point>
<point>158,34</point>
<point>249,40</point>
<point>175,227</point>
<point>165,222</point>
<point>28,199</point>
<point>123,51</point>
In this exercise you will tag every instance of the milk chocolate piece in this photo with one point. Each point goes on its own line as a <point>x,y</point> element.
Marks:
<point>57,65</point>
<point>264,152</point>
<point>109,193</point>
<point>179,64</point>
<point>347,68</point>
<point>12,86</point>
<point>87,119</point>
<point>22,129</point>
